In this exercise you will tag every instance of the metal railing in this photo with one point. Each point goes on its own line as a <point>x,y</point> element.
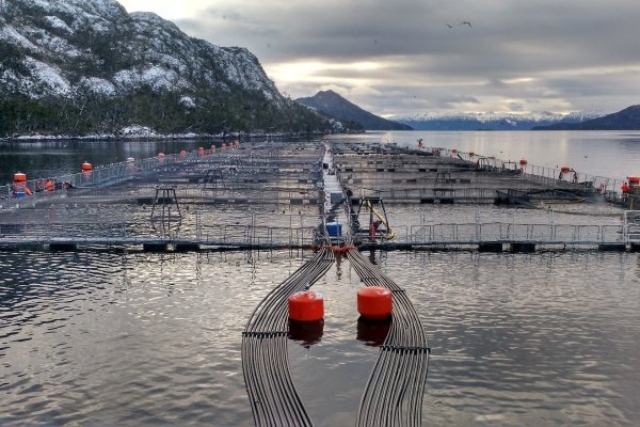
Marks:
<point>133,232</point>
<point>472,233</point>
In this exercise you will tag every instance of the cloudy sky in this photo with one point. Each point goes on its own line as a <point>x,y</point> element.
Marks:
<point>414,56</point>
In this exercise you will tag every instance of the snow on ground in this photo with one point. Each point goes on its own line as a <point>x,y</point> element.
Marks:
<point>99,86</point>
<point>55,44</point>
<point>137,131</point>
<point>59,24</point>
<point>47,75</point>
<point>187,101</point>
<point>157,77</point>
<point>12,36</point>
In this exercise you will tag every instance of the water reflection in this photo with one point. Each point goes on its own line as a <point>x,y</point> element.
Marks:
<point>121,339</point>
<point>373,332</point>
<point>306,333</point>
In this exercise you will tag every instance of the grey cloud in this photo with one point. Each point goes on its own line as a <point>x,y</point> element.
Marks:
<point>576,51</point>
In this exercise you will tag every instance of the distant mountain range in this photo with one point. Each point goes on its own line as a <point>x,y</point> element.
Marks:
<point>87,67</point>
<point>330,103</point>
<point>334,105</point>
<point>627,119</point>
<point>492,120</point>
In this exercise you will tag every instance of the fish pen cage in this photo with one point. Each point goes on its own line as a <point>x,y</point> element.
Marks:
<point>302,195</point>
<point>266,195</point>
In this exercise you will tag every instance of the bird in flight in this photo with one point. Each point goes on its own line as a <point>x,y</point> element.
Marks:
<point>449,25</point>
<point>466,23</point>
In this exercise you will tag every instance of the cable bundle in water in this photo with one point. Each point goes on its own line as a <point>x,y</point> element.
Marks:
<point>265,362</point>
<point>393,394</point>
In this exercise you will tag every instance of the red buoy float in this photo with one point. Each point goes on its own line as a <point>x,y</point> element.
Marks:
<point>86,167</point>
<point>19,184</point>
<point>307,306</point>
<point>375,302</point>
<point>19,177</point>
<point>523,162</point>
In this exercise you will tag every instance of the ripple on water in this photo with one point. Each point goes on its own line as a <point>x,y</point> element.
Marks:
<point>525,334</point>
<point>152,339</point>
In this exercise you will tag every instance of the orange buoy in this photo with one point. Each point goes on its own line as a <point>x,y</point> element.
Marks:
<point>307,306</point>
<point>523,162</point>
<point>375,302</point>
<point>86,167</point>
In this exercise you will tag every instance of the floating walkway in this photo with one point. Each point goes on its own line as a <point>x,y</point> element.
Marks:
<point>279,196</point>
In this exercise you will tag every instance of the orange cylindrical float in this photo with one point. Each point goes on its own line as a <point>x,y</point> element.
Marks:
<point>306,306</point>
<point>86,167</point>
<point>19,184</point>
<point>375,302</point>
<point>523,162</point>
<point>19,177</point>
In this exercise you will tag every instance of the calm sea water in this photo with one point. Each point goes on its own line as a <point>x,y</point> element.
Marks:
<point>141,339</point>
<point>597,153</point>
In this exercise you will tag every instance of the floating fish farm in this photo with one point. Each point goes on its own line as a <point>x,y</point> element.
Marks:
<point>334,199</point>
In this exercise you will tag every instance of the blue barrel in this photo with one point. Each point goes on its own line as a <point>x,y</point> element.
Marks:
<point>334,229</point>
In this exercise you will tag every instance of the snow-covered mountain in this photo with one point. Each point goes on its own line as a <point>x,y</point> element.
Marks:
<point>86,52</point>
<point>491,120</point>
<point>113,52</point>
<point>627,119</point>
